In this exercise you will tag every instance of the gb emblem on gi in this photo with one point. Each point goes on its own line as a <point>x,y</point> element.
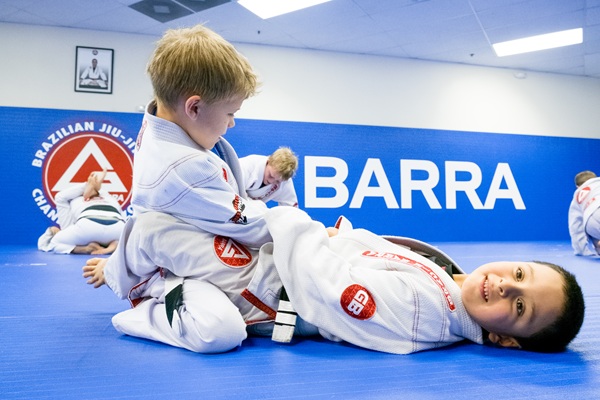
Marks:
<point>357,302</point>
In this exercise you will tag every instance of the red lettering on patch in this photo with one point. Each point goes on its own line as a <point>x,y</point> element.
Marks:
<point>407,261</point>
<point>232,253</point>
<point>357,302</point>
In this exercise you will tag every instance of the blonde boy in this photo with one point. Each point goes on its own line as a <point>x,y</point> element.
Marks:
<point>270,177</point>
<point>184,168</point>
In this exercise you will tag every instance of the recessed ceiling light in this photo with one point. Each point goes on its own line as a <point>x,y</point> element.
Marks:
<point>539,42</point>
<point>272,8</point>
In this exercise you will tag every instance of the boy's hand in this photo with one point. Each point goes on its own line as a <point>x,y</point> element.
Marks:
<point>332,231</point>
<point>94,269</point>
<point>93,185</point>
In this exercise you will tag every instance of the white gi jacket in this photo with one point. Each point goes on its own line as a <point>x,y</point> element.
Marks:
<point>356,286</point>
<point>586,200</point>
<point>364,289</point>
<point>174,175</point>
<point>253,168</point>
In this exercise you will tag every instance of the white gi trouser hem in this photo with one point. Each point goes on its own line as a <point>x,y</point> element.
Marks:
<point>206,322</point>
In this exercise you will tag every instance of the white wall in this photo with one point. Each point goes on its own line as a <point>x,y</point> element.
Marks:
<point>37,67</point>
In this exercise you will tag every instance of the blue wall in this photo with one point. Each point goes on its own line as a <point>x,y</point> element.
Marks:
<point>390,187</point>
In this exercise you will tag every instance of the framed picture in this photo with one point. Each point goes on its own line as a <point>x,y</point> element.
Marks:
<point>93,69</point>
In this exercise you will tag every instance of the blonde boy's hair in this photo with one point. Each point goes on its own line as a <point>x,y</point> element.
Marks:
<point>284,161</point>
<point>197,61</point>
<point>583,176</point>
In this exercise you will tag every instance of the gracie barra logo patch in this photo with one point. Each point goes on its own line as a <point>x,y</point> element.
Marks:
<point>357,302</point>
<point>582,194</point>
<point>232,253</point>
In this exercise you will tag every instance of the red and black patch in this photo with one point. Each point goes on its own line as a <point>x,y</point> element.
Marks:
<point>239,207</point>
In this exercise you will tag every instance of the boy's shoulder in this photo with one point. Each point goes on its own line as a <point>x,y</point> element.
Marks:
<point>591,183</point>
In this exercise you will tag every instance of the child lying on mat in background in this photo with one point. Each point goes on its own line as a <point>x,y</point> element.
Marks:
<point>382,293</point>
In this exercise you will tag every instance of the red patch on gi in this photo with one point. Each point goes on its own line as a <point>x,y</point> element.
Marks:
<point>583,192</point>
<point>232,253</point>
<point>225,174</point>
<point>357,302</point>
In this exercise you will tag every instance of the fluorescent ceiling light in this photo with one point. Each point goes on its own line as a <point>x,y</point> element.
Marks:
<point>539,42</point>
<point>271,8</point>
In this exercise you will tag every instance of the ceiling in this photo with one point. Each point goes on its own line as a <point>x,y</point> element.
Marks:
<point>455,31</point>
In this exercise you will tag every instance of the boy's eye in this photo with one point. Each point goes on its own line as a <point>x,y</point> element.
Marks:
<point>520,307</point>
<point>519,274</point>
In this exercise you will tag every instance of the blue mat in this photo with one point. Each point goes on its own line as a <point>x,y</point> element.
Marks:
<point>57,342</point>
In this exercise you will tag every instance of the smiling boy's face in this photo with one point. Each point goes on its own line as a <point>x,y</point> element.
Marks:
<point>513,299</point>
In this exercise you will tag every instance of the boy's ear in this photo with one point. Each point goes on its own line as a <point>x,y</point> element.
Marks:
<point>504,341</point>
<point>192,108</point>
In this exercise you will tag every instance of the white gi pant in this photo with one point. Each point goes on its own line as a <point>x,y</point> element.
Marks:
<point>213,315</point>
<point>155,252</point>
<point>207,322</point>
<point>81,233</point>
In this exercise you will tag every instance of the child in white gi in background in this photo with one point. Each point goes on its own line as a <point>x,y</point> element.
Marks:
<point>380,293</point>
<point>184,168</point>
<point>90,220</point>
<point>270,177</point>
<point>584,215</point>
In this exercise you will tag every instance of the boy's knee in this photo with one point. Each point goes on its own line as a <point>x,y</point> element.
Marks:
<point>217,334</point>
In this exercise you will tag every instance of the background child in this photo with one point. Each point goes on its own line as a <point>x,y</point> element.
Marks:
<point>90,220</point>
<point>270,177</point>
<point>584,218</point>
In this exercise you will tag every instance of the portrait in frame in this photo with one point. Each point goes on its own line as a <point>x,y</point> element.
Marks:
<point>94,70</point>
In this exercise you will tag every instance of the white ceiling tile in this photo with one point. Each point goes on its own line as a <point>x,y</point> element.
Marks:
<point>438,30</point>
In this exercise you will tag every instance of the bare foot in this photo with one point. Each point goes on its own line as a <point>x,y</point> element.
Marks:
<point>90,248</point>
<point>108,249</point>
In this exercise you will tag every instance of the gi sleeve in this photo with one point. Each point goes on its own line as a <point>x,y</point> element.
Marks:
<point>63,204</point>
